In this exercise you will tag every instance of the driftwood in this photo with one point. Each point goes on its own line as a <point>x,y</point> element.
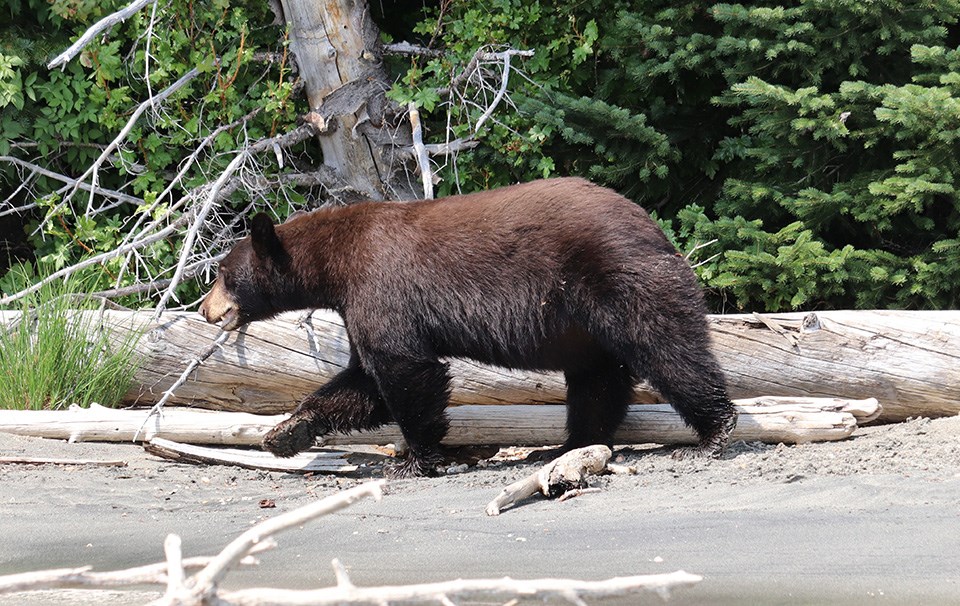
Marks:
<point>54,461</point>
<point>305,462</point>
<point>772,420</point>
<point>561,475</point>
<point>203,586</point>
<point>907,360</point>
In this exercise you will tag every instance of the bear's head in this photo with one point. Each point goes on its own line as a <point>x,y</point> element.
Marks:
<point>253,282</point>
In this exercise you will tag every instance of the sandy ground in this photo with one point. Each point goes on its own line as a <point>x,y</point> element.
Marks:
<point>874,519</point>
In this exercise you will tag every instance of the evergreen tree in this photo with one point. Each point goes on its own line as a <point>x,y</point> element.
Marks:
<point>815,140</point>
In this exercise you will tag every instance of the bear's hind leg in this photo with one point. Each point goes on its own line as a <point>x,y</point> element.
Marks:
<point>691,381</point>
<point>350,401</point>
<point>597,400</point>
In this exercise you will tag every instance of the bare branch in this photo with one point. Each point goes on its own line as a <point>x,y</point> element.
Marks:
<point>572,591</point>
<point>101,25</point>
<point>219,190</point>
<point>697,247</point>
<point>198,220</point>
<point>426,174</point>
<point>66,578</point>
<point>405,48</point>
<point>95,260</point>
<point>158,407</point>
<point>206,580</point>
<point>107,193</point>
<point>113,145</point>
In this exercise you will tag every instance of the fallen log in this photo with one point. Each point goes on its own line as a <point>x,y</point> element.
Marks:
<point>771,420</point>
<point>906,359</point>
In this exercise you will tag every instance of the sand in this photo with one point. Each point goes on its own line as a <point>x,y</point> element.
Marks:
<point>871,519</point>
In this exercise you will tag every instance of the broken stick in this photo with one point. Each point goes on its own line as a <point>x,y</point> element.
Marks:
<point>47,461</point>
<point>305,462</point>
<point>563,474</point>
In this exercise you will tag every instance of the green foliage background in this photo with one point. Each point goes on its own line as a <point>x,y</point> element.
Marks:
<point>816,141</point>
<point>61,119</point>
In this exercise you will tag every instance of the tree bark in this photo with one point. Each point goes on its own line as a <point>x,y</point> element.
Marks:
<point>337,48</point>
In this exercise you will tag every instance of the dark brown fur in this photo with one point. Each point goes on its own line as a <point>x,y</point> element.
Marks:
<point>555,275</point>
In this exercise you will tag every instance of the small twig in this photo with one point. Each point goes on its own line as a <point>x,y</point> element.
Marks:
<point>340,572</point>
<point>106,193</point>
<point>504,81</point>
<point>405,48</point>
<point>697,247</point>
<point>576,492</point>
<point>175,572</point>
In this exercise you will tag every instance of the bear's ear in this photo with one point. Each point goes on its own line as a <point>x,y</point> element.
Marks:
<point>263,235</point>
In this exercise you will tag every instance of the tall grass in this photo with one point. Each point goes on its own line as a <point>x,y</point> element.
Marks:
<point>53,355</point>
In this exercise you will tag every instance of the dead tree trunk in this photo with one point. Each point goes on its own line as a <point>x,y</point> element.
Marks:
<point>337,48</point>
<point>907,360</point>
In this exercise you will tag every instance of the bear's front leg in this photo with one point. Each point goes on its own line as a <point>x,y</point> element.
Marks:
<point>416,391</point>
<point>349,401</point>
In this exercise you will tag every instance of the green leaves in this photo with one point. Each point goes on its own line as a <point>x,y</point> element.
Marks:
<point>64,119</point>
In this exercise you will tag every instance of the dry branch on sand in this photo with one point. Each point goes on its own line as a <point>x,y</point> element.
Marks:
<point>203,586</point>
<point>566,473</point>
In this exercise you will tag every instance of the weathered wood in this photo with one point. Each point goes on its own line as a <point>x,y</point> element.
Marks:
<point>567,472</point>
<point>267,367</point>
<point>908,360</point>
<point>57,461</point>
<point>337,48</point>
<point>766,420</point>
<point>305,462</point>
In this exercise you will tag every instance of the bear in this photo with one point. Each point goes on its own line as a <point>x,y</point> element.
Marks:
<point>557,274</point>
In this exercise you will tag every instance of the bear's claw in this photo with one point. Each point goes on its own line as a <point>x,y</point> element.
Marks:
<point>414,466</point>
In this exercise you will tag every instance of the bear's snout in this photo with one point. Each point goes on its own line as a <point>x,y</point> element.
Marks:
<point>219,305</point>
